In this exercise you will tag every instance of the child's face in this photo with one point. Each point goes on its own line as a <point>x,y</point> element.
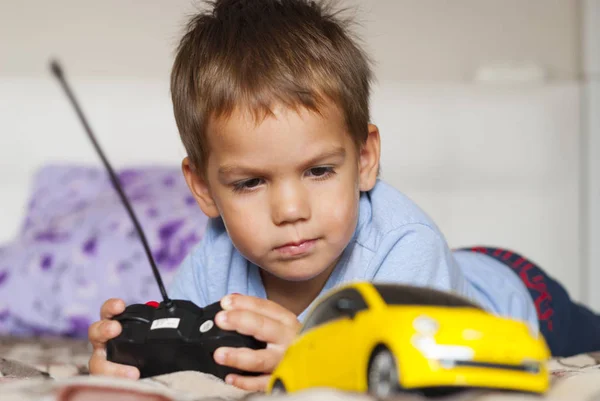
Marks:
<point>287,187</point>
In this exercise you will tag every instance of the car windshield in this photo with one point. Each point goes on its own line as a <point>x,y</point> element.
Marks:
<point>408,295</point>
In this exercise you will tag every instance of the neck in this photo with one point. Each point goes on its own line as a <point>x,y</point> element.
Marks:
<point>295,296</point>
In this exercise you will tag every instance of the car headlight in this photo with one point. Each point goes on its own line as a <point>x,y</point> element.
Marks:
<point>426,325</point>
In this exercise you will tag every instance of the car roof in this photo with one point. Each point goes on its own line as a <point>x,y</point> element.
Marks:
<point>375,294</point>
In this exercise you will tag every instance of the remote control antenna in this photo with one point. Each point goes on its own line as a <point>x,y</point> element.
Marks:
<point>58,73</point>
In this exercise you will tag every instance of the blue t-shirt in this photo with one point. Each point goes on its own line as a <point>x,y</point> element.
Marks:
<point>394,241</point>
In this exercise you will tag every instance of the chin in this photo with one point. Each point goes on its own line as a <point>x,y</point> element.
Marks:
<point>299,272</point>
<point>298,278</point>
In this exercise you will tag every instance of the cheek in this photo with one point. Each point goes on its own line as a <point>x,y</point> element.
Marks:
<point>245,222</point>
<point>339,212</point>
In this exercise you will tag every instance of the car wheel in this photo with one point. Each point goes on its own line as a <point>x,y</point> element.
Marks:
<point>278,388</point>
<point>383,373</point>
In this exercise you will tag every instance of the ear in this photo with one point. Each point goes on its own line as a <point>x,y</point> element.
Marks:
<point>369,159</point>
<point>199,188</point>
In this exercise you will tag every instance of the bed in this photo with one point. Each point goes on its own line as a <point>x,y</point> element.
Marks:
<point>50,368</point>
<point>86,248</point>
<point>66,243</point>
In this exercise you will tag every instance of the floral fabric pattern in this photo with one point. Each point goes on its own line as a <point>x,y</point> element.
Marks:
<point>78,246</point>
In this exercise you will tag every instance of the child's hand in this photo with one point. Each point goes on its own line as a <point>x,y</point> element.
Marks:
<point>266,321</point>
<point>102,331</point>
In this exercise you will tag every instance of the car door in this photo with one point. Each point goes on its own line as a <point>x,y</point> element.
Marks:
<point>330,349</point>
<point>350,304</point>
<point>317,369</point>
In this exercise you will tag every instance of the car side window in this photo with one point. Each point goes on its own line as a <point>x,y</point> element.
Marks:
<point>409,295</point>
<point>328,311</point>
<point>355,301</point>
<point>321,314</point>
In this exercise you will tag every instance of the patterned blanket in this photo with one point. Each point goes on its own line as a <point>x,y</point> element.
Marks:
<point>51,369</point>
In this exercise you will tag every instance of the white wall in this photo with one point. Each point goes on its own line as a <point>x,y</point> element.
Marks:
<point>440,40</point>
<point>591,146</point>
<point>492,164</point>
<point>446,40</point>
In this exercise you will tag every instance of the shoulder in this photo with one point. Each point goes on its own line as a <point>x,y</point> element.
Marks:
<point>397,241</point>
<point>386,213</point>
<point>203,276</point>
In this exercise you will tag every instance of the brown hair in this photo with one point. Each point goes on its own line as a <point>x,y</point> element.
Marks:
<point>254,53</point>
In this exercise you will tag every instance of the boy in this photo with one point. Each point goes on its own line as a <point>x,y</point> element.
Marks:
<point>271,98</point>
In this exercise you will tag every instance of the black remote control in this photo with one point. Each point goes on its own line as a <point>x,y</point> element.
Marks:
<point>158,339</point>
<point>172,336</point>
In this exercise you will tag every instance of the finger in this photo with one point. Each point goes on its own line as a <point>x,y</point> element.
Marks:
<point>249,360</point>
<point>256,325</point>
<point>102,331</point>
<point>264,306</point>
<point>249,383</point>
<point>100,366</point>
<point>112,307</point>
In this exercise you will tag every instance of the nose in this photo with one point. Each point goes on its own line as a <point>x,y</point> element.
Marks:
<point>289,203</point>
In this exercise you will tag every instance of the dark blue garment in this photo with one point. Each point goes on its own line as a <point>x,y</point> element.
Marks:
<point>568,327</point>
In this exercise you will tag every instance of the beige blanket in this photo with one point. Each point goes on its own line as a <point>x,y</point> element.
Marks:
<point>56,369</point>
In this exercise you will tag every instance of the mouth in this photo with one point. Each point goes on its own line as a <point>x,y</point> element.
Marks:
<point>297,248</point>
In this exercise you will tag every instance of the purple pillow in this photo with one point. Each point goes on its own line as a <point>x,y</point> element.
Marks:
<point>78,246</point>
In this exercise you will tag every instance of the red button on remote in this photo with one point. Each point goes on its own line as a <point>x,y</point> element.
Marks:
<point>153,304</point>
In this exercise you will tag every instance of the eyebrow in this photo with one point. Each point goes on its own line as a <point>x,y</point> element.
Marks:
<point>231,169</point>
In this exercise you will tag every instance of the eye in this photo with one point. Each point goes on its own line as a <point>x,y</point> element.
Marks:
<point>246,185</point>
<point>321,172</point>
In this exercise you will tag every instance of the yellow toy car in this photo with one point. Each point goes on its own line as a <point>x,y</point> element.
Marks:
<point>384,338</point>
